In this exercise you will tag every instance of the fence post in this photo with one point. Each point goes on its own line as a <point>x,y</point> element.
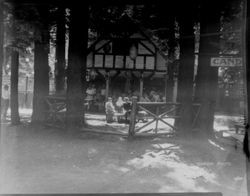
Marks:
<point>131,131</point>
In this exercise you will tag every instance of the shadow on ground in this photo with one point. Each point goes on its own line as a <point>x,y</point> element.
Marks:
<point>43,160</point>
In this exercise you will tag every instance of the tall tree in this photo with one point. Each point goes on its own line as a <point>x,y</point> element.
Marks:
<point>172,44</point>
<point>186,69</point>
<point>1,47</point>
<point>60,50</point>
<point>207,76</point>
<point>41,66</point>
<point>76,73</point>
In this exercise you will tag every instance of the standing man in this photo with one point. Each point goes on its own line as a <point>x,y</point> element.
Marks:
<point>5,101</point>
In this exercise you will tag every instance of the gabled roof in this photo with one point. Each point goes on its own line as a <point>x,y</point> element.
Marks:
<point>145,33</point>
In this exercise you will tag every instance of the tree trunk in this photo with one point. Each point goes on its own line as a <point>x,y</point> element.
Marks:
<point>246,56</point>
<point>15,119</point>
<point>60,51</point>
<point>185,75</point>
<point>76,73</point>
<point>207,76</point>
<point>170,68</point>
<point>170,83</point>
<point>41,71</point>
<point>1,50</point>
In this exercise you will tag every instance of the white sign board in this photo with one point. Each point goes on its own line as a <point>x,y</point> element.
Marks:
<point>226,62</point>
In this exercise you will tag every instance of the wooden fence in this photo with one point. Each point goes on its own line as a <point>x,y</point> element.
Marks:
<point>25,89</point>
<point>159,112</point>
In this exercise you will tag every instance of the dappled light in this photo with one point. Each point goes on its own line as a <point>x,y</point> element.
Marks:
<point>124,97</point>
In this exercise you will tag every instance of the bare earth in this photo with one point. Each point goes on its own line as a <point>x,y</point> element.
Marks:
<point>42,160</point>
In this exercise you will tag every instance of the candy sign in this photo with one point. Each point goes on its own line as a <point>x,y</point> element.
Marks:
<point>226,62</point>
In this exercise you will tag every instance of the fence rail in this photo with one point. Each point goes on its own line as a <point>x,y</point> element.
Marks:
<point>25,89</point>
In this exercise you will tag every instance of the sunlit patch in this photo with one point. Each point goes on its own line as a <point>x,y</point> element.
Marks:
<point>216,145</point>
<point>189,175</point>
<point>96,122</point>
<point>152,159</point>
<point>117,168</point>
<point>186,177</point>
<point>162,127</point>
<point>165,146</point>
<point>238,178</point>
<point>225,123</point>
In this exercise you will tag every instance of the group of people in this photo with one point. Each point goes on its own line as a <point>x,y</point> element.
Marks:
<point>153,96</point>
<point>118,106</point>
<point>121,107</point>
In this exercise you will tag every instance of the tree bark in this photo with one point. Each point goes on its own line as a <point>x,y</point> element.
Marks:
<point>170,68</point>
<point>246,56</point>
<point>185,75</point>
<point>15,119</point>
<point>1,50</point>
<point>41,71</point>
<point>76,73</point>
<point>170,83</point>
<point>207,76</point>
<point>60,51</point>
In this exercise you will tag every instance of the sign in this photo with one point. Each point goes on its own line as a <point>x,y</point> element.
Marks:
<point>226,62</point>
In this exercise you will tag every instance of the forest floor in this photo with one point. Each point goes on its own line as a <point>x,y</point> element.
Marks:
<point>46,160</point>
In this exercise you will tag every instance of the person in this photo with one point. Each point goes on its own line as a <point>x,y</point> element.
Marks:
<point>91,92</point>
<point>156,97</point>
<point>5,101</point>
<point>144,98</point>
<point>119,104</point>
<point>127,107</point>
<point>119,108</point>
<point>110,110</point>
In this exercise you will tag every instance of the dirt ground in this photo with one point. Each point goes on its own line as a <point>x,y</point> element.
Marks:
<point>43,160</point>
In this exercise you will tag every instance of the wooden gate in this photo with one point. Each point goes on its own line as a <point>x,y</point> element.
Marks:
<point>155,112</point>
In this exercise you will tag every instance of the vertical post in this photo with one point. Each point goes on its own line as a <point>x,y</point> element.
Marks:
<point>107,78</point>
<point>141,85</point>
<point>131,131</point>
